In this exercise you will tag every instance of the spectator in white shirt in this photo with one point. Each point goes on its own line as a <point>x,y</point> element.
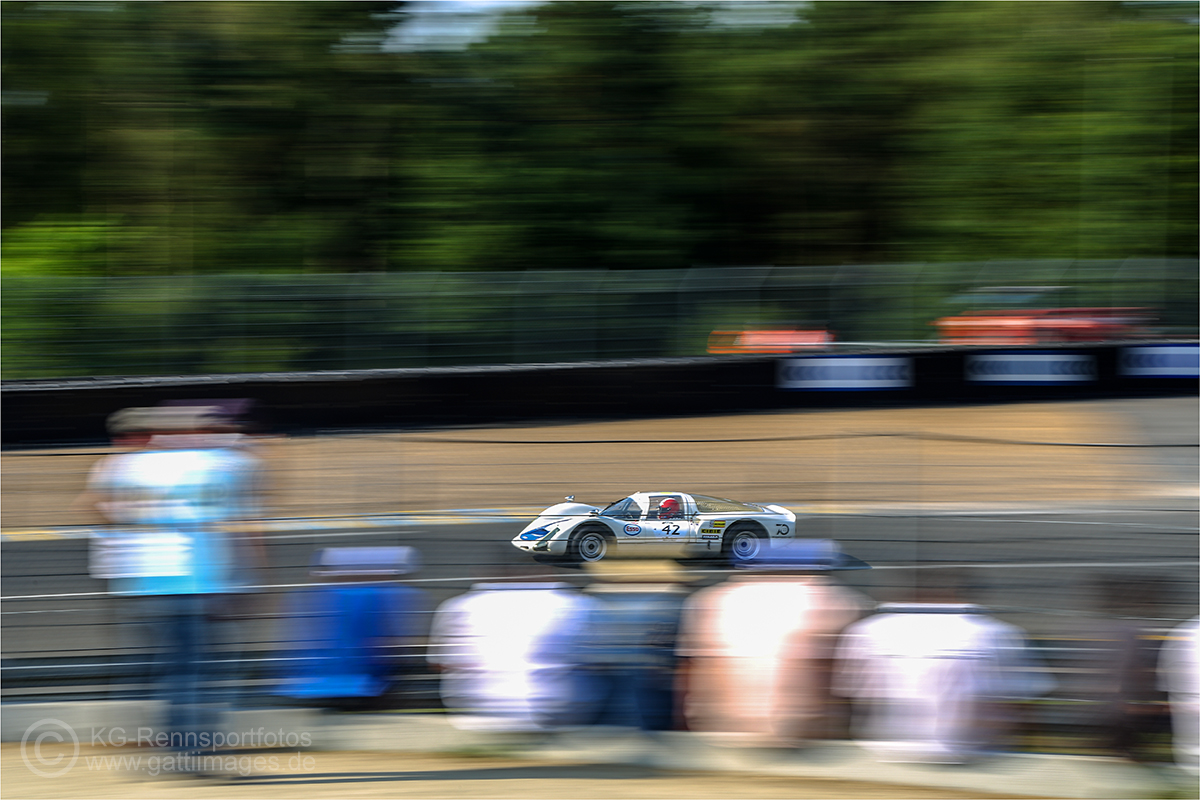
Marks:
<point>1179,676</point>
<point>510,654</point>
<point>758,648</point>
<point>932,678</point>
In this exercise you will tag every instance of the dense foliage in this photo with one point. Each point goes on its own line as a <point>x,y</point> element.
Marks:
<point>186,139</point>
<point>152,138</point>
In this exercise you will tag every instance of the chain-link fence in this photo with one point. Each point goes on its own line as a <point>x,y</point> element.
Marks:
<point>57,327</point>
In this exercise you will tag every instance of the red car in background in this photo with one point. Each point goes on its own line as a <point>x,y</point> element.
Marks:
<point>1008,315</point>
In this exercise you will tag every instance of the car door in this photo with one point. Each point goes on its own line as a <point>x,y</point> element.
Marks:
<point>674,528</point>
<point>625,518</point>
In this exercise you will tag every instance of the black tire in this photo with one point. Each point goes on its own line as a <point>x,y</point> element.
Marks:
<point>590,545</point>
<point>742,543</point>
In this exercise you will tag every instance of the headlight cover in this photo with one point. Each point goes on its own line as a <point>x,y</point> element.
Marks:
<point>537,533</point>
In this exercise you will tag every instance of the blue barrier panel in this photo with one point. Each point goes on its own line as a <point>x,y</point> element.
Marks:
<point>1028,368</point>
<point>846,373</point>
<point>1161,361</point>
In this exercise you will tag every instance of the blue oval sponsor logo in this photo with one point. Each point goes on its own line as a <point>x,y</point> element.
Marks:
<point>633,530</point>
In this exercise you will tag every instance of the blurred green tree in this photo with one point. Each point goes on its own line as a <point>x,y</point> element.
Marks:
<point>245,136</point>
<point>192,139</point>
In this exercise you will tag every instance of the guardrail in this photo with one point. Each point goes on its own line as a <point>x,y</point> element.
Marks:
<point>74,411</point>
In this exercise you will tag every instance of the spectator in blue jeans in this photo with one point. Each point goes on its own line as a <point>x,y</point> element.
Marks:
<point>628,671</point>
<point>166,553</point>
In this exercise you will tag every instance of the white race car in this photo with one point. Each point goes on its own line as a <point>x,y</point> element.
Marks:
<point>656,523</point>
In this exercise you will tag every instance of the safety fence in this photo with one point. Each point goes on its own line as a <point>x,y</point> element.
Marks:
<point>232,324</point>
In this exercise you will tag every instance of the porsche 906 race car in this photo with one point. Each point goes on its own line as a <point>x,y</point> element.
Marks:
<point>646,523</point>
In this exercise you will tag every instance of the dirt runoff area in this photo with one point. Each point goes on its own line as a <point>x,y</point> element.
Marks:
<point>969,455</point>
<point>351,775</point>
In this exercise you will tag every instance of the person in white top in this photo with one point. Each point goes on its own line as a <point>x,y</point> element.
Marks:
<point>1179,676</point>
<point>758,647</point>
<point>509,654</point>
<point>932,678</point>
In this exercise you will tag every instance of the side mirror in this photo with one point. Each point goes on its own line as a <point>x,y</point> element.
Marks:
<point>593,513</point>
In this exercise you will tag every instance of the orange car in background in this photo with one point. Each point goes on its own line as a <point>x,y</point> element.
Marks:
<point>768,341</point>
<point>1013,318</point>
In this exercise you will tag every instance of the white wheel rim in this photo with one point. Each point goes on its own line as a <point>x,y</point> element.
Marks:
<point>592,547</point>
<point>745,545</point>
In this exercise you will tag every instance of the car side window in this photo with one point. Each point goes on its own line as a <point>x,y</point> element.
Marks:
<point>665,506</point>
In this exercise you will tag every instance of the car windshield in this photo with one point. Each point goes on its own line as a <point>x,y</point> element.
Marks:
<point>623,509</point>
<point>718,505</point>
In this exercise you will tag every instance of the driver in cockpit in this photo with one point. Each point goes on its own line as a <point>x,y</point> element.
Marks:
<point>669,508</point>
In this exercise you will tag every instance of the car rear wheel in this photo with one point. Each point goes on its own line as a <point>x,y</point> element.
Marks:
<point>743,543</point>
<point>589,546</point>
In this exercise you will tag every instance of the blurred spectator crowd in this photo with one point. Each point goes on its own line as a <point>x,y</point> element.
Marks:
<point>777,654</point>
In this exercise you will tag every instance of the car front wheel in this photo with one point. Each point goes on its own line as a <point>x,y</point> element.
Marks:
<point>590,546</point>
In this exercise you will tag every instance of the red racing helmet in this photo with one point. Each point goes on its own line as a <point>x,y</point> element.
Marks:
<point>668,508</point>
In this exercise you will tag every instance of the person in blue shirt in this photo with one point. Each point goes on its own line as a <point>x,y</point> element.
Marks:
<point>355,633</point>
